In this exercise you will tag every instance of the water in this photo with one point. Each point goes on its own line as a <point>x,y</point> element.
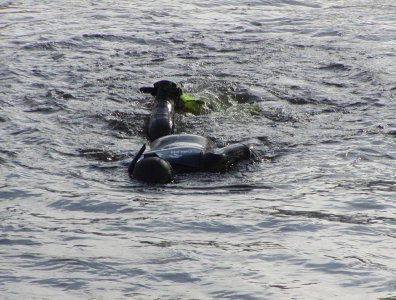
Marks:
<point>310,83</point>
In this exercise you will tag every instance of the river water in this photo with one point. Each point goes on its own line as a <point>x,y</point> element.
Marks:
<point>311,84</point>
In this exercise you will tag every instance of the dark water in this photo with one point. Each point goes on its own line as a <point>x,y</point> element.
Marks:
<point>311,84</point>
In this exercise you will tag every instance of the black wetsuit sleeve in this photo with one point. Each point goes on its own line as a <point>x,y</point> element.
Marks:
<point>222,159</point>
<point>161,120</point>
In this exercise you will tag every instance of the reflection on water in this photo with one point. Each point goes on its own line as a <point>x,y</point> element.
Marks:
<point>308,83</point>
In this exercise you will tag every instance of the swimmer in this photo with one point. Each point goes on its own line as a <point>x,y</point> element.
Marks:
<point>176,153</point>
<point>169,98</point>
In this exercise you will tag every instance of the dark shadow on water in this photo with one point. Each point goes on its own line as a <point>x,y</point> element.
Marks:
<point>351,219</point>
<point>101,155</point>
<point>94,206</point>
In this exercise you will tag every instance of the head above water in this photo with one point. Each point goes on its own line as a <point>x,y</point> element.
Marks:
<point>164,89</point>
<point>153,170</point>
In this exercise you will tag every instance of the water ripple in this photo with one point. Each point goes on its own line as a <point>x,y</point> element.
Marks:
<point>308,83</point>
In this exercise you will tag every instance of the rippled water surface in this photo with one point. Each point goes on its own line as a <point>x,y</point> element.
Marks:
<point>311,84</point>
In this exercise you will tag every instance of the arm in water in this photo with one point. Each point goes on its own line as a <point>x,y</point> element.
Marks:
<point>222,159</point>
<point>163,111</point>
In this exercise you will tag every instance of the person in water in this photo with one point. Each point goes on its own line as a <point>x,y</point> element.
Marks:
<point>169,98</point>
<point>176,153</point>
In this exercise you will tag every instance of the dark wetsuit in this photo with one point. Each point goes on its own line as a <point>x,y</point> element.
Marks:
<point>175,153</point>
<point>189,153</point>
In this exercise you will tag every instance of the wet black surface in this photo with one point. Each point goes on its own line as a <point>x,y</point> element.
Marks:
<point>309,84</point>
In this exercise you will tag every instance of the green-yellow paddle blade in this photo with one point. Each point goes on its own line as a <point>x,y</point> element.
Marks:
<point>189,104</point>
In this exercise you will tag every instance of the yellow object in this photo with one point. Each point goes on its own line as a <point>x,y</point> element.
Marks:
<point>185,97</point>
<point>196,107</point>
